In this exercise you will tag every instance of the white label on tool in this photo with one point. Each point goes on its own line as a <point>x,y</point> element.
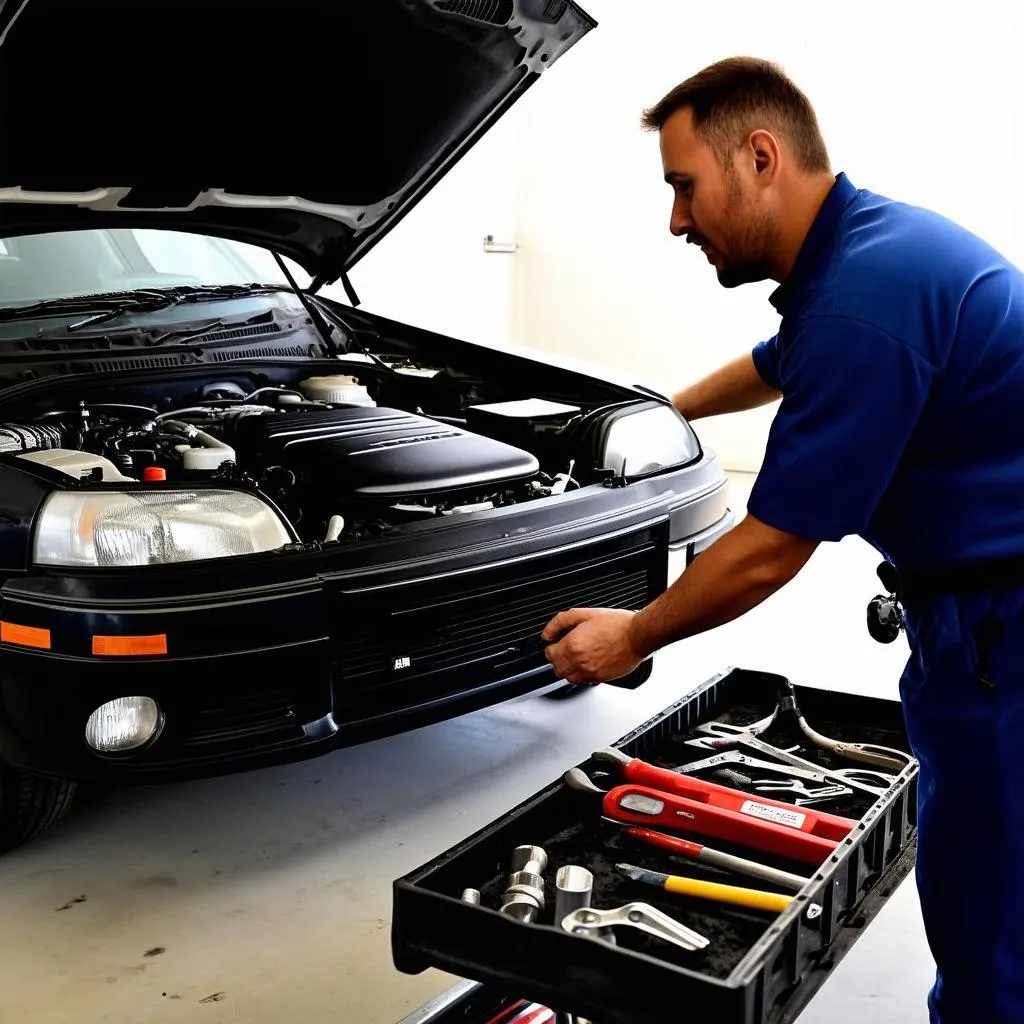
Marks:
<point>781,816</point>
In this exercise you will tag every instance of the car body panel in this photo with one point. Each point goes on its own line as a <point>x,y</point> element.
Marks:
<point>262,148</point>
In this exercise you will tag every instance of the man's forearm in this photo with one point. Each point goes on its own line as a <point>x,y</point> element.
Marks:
<point>738,572</point>
<point>737,386</point>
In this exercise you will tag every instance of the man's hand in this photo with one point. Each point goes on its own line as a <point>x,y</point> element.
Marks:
<point>591,645</point>
<point>738,571</point>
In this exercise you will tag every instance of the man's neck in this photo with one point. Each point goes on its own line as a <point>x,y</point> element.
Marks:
<point>802,208</point>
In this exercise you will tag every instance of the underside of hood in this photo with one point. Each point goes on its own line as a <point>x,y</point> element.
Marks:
<point>309,127</point>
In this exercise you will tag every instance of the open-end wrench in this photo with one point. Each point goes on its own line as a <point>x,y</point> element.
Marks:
<point>865,779</point>
<point>803,797</point>
<point>734,757</point>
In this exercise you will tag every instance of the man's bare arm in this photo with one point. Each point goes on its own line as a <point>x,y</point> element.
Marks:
<point>735,387</point>
<point>739,571</point>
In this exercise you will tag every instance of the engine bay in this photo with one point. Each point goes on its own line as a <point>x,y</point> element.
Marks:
<point>338,465</point>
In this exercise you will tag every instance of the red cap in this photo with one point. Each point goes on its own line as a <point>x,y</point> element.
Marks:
<point>154,473</point>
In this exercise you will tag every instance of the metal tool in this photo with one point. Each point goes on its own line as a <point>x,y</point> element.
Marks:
<point>762,824</point>
<point>716,859</point>
<point>817,774</point>
<point>686,785</point>
<point>524,856</point>
<point>573,888</point>
<point>641,916</point>
<point>802,796</point>
<point>523,898</point>
<point>826,791</point>
<point>787,708</point>
<point>753,899</point>
<point>728,777</point>
<point>471,896</point>
<point>864,779</point>
<point>867,753</point>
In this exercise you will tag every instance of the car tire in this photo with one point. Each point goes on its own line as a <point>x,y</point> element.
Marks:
<point>30,804</point>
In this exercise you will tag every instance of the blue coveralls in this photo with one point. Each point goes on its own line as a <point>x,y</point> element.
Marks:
<point>900,357</point>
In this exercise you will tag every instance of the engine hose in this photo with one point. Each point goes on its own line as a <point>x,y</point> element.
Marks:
<point>213,453</point>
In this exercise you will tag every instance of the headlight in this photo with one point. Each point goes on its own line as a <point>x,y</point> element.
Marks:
<point>646,440</point>
<point>153,527</point>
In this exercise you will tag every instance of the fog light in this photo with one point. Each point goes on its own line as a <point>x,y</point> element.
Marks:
<point>123,724</point>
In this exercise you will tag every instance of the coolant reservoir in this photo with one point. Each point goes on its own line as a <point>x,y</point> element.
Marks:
<point>338,389</point>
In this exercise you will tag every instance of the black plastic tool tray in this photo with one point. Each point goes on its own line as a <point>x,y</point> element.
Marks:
<point>759,968</point>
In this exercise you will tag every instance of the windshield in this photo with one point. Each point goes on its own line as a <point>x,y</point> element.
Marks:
<point>64,264</point>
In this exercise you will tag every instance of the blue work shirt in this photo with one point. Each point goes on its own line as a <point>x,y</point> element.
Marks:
<point>900,357</point>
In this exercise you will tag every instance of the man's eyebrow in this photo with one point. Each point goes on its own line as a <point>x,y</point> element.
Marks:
<point>676,176</point>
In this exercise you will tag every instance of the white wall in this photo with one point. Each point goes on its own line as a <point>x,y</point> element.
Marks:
<point>921,101</point>
<point>431,269</point>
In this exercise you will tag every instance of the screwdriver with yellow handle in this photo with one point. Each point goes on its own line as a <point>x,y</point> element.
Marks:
<point>754,899</point>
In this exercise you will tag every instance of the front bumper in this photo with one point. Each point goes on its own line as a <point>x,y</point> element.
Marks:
<point>312,656</point>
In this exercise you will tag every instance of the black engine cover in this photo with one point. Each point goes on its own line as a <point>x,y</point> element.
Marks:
<point>380,453</point>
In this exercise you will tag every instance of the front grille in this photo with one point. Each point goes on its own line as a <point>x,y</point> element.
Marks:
<point>439,637</point>
<point>240,716</point>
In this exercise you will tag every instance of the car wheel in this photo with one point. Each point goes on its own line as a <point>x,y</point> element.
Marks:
<point>30,804</point>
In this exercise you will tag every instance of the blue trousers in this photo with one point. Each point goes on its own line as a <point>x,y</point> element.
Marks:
<point>963,701</point>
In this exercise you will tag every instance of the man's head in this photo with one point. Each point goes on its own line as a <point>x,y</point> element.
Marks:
<point>741,148</point>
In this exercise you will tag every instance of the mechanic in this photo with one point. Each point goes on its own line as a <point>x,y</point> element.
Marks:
<point>899,361</point>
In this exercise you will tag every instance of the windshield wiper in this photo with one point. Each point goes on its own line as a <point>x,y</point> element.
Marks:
<point>151,300</point>
<point>106,306</point>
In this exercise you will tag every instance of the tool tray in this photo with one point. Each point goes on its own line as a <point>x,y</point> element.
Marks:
<point>759,968</point>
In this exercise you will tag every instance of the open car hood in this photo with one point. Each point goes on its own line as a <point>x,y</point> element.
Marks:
<point>307,127</point>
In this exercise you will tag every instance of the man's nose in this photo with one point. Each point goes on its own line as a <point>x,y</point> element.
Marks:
<point>681,221</point>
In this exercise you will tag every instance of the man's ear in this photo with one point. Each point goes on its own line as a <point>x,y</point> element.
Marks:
<point>766,153</point>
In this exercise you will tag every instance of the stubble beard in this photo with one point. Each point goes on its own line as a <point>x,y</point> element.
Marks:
<point>751,237</point>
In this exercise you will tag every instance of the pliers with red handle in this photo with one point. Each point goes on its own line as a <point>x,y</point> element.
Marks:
<point>660,798</point>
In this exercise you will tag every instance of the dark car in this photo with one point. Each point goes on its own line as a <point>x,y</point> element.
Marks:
<point>243,523</point>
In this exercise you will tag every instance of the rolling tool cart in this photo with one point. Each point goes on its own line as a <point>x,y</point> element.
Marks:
<point>715,864</point>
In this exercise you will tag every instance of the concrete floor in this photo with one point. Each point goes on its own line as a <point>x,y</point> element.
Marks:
<point>265,897</point>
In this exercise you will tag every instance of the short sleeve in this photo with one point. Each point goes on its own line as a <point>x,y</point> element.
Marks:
<point>852,397</point>
<point>766,362</point>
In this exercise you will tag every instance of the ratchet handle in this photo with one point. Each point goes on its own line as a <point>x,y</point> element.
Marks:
<point>818,823</point>
<point>758,824</point>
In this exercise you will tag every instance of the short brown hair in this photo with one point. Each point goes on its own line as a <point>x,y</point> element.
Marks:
<point>736,96</point>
